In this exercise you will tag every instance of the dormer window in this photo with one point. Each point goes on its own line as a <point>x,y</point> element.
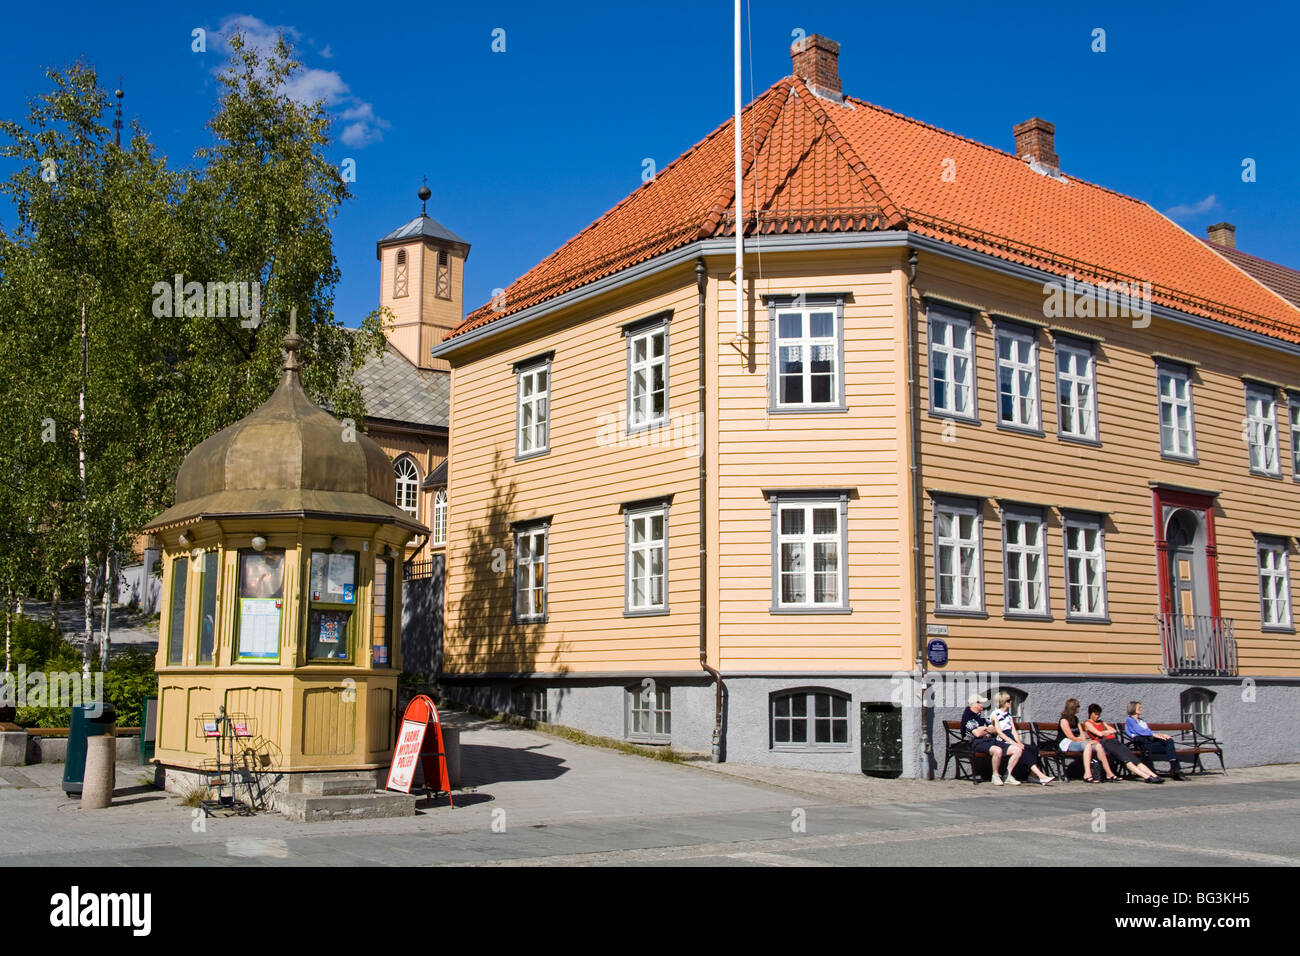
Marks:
<point>399,275</point>
<point>442,284</point>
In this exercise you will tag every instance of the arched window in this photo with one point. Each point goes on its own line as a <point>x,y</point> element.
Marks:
<point>1017,700</point>
<point>399,275</point>
<point>1197,706</point>
<point>810,718</point>
<point>408,485</point>
<point>440,517</point>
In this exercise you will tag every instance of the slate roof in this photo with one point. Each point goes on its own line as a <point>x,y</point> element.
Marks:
<point>395,390</point>
<point>436,478</point>
<point>422,225</point>
<point>817,165</point>
<point>1283,280</point>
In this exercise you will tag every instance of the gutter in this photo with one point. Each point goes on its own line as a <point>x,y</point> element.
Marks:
<point>702,285</point>
<point>918,513</point>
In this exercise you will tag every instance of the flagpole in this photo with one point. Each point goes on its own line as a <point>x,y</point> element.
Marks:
<point>740,198</point>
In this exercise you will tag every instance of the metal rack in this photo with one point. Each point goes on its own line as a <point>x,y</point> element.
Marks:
<point>241,761</point>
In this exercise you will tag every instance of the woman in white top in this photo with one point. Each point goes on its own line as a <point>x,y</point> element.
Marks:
<point>1005,725</point>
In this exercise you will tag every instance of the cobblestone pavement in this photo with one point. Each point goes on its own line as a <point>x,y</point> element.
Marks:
<point>534,799</point>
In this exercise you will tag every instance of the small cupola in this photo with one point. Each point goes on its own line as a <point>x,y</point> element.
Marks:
<point>422,279</point>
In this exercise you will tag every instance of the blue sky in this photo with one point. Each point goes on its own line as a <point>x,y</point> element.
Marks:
<point>524,148</point>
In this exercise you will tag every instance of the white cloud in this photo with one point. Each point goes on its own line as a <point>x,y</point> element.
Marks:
<point>1187,210</point>
<point>310,85</point>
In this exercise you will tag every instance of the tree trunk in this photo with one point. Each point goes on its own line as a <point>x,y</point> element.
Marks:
<point>9,665</point>
<point>88,597</point>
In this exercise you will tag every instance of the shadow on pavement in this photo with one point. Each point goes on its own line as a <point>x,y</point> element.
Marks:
<point>482,764</point>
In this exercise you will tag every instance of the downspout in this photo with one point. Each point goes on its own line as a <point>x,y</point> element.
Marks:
<point>702,285</point>
<point>918,514</point>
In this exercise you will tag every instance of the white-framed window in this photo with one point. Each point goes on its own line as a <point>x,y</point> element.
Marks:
<point>1261,429</point>
<point>408,484</point>
<point>440,516</point>
<point>1197,707</point>
<point>808,560</point>
<point>646,559</point>
<point>958,556</point>
<point>1293,403</point>
<point>531,559</point>
<point>1274,583</point>
<point>1017,361</point>
<point>647,377</point>
<point>1085,566</point>
<point>952,364</point>
<point>1024,556</point>
<point>1076,391</point>
<point>1177,423</point>
<point>806,356</point>
<point>650,712</point>
<point>533,409</point>
<point>810,719</point>
<point>531,702</point>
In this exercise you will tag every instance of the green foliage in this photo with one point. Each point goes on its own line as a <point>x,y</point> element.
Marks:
<point>130,678</point>
<point>97,229</point>
<point>39,647</point>
<point>43,716</point>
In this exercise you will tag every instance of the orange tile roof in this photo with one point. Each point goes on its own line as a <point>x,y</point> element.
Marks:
<point>816,165</point>
<point>1283,280</point>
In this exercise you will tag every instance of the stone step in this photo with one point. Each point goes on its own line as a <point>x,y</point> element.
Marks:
<point>312,808</point>
<point>338,786</point>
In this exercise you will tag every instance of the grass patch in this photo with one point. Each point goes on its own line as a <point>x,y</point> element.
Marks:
<point>193,796</point>
<point>666,754</point>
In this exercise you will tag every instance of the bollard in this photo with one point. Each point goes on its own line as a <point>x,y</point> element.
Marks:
<point>101,771</point>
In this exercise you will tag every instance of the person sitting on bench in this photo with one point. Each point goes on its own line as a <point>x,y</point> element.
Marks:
<point>1155,746</point>
<point>984,737</point>
<point>1104,734</point>
<point>1006,730</point>
<point>1072,740</point>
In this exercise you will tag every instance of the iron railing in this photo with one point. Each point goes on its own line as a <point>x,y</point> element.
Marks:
<point>1198,645</point>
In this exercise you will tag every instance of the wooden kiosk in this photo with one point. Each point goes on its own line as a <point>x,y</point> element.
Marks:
<point>282,582</point>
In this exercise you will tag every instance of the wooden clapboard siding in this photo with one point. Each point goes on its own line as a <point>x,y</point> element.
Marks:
<point>592,468</point>
<point>983,460</point>
<point>862,449</point>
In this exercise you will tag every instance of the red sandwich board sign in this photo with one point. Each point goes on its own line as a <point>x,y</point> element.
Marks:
<point>420,713</point>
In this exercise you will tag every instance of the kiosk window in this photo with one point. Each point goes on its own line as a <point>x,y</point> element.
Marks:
<point>208,608</point>
<point>261,603</point>
<point>381,646</point>
<point>333,597</point>
<point>176,629</point>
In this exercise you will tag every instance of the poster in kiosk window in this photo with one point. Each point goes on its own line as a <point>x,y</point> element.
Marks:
<point>420,714</point>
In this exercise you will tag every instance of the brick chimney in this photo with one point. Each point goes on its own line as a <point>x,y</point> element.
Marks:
<point>817,63</point>
<point>1036,140</point>
<point>1223,234</point>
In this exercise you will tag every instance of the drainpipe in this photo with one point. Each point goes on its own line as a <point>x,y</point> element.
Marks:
<point>702,284</point>
<point>918,513</point>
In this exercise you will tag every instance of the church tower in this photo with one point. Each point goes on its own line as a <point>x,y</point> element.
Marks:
<point>422,277</point>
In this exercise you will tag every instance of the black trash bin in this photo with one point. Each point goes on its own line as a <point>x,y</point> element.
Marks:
<point>82,727</point>
<point>882,740</point>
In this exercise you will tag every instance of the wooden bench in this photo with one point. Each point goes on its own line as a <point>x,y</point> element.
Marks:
<point>1189,746</point>
<point>1045,734</point>
<point>957,751</point>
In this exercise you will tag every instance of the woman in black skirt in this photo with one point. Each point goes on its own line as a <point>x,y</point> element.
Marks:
<point>1102,732</point>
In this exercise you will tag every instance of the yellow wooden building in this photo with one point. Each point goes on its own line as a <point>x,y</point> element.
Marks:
<point>970,398</point>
